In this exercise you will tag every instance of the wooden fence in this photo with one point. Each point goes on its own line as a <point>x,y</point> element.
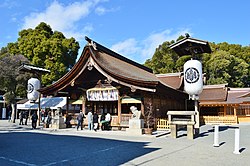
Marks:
<point>223,120</point>
<point>162,124</point>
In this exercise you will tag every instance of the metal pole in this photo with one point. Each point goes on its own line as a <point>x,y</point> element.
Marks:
<point>197,118</point>
<point>216,136</point>
<point>39,110</point>
<point>237,141</point>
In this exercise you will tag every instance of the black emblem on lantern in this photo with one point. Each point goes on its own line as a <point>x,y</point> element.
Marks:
<point>192,75</point>
<point>30,88</point>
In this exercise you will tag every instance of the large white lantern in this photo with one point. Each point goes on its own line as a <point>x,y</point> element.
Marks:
<point>193,82</point>
<point>33,86</point>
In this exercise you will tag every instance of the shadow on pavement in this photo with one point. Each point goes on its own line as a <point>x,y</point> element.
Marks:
<point>242,149</point>
<point>222,143</point>
<point>27,148</point>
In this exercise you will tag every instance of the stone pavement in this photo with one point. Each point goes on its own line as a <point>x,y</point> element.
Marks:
<point>167,151</point>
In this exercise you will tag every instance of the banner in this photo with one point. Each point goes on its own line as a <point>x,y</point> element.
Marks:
<point>102,94</point>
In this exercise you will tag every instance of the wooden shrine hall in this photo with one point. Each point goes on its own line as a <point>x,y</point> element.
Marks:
<point>104,81</point>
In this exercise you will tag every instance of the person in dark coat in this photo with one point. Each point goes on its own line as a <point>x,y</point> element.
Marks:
<point>48,120</point>
<point>34,120</point>
<point>80,120</point>
<point>102,120</point>
<point>9,115</point>
<point>95,121</point>
<point>26,116</point>
<point>21,116</point>
<point>67,121</point>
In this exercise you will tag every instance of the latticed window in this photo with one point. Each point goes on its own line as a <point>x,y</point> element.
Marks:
<point>230,110</point>
<point>244,110</point>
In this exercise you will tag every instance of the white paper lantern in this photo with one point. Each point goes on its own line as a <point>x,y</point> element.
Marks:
<point>193,83</point>
<point>33,86</point>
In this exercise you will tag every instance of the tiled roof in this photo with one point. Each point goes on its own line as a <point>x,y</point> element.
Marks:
<point>174,80</point>
<point>124,69</point>
<point>219,95</point>
<point>213,93</point>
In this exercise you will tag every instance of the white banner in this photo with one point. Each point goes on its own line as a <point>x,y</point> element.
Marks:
<point>102,94</point>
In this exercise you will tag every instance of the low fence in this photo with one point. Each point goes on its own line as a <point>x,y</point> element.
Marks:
<point>162,124</point>
<point>226,120</point>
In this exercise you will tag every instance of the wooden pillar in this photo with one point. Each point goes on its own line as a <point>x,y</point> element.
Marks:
<point>119,109</point>
<point>225,110</point>
<point>235,114</point>
<point>83,107</point>
<point>142,108</point>
<point>83,103</point>
<point>67,105</point>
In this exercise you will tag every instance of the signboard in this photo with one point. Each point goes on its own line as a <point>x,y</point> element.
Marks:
<point>102,94</point>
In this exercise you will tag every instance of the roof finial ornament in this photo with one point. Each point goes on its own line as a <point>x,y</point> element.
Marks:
<point>91,42</point>
<point>187,35</point>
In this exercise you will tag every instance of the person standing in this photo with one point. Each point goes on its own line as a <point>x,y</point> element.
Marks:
<point>21,116</point>
<point>108,120</point>
<point>34,120</point>
<point>95,121</point>
<point>102,120</point>
<point>80,120</point>
<point>26,116</point>
<point>48,120</point>
<point>9,115</point>
<point>90,120</point>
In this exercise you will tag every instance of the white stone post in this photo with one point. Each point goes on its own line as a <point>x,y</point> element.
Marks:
<point>216,136</point>
<point>237,141</point>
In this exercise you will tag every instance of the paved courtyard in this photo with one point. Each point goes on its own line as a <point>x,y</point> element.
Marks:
<point>20,145</point>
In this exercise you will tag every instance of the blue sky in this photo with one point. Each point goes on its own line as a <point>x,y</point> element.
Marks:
<point>133,28</point>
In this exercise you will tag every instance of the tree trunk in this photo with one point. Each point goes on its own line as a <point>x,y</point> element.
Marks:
<point>13,114</point>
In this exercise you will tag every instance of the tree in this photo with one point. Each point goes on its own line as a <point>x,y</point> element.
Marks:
<point>46,49</point>
<point>223,67</point>
<point>228,63</point>
<point>163,60</point>
<point>12,82</point>
<point>149,116</point>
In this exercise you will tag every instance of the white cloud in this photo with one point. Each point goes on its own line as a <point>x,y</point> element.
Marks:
<point>155,39</point>
<point>63,18</point>
<point>142,50</point>
<point>100,10</point>
<point>127,47</point>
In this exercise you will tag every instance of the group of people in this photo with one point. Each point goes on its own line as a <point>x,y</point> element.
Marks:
<point>23,115</point>
<point>46,117</point>
<point>93,121</point>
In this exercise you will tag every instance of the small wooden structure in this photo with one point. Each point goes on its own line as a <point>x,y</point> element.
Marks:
<point>223,104</point>
<point>182,118</point>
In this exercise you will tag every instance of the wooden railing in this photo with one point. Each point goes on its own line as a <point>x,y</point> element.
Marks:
<point>162,124</point>
<point>114,120</point>
<point>226,120</point>
<point>125,119</point>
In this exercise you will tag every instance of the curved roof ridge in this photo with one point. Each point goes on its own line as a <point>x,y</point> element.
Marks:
<point>122,69</point>
<point>116,55</point>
